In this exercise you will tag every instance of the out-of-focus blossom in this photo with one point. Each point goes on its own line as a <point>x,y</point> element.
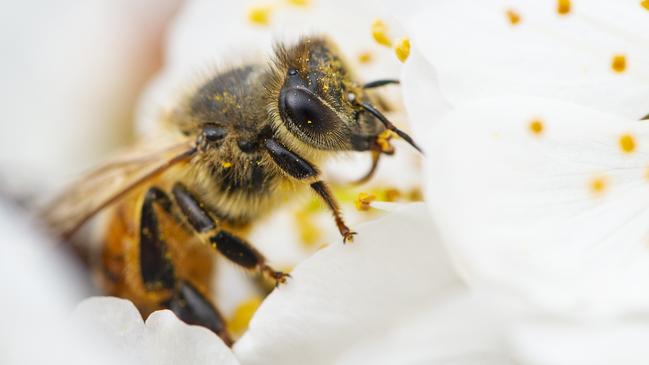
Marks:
<point>71,73</point>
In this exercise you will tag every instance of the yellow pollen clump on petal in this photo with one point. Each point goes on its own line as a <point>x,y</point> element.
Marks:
<point>298,2</point>
<point>536,127</point>
<point>238,323</point>
<point>402,49</point>
<point>645,4</point>
<point>226,164</point>
<point>598,185</point>
<point>563,7</point>
<point>627,143</point>
<point>260,15</point>
<point>618,63</point>
<point>514,17</point>
<point>365,57</point>
<point>380,33</point>
<point>363,201</point>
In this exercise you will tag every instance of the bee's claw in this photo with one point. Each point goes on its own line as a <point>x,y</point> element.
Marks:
<point>278,276</point>
<point>348,237</point>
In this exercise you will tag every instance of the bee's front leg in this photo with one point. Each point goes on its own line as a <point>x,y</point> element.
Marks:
<point>158,273</point>
<point>232,247</point>
<point>301,169</point>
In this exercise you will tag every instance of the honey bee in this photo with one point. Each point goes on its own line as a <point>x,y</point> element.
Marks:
<point>242,143</point>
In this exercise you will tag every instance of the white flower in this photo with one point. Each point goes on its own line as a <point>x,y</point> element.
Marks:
<point>541,199</point>
<point>535,185</point>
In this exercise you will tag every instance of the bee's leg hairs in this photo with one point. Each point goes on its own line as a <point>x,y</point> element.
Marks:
<point>227,244</point>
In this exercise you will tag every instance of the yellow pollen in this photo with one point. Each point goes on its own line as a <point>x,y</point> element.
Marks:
<point>563,7</point>
<point>627,143</point>
<point>238,323</point>
<point>366,57</point>
<point>226,164</point>
<point>618,63</point>
<point>645,4</point>
<point>259,15</point>
<point>380,33</point>
<point>363,201</point>
<point>298,2</point>
<point>536,127</point>
<point>391,195</point>
<point>309,232</point>
<point>514,17</point>
<point>598,185</point>
<point>308,122</point>
<point>383,140</point>
<point>402,49</point>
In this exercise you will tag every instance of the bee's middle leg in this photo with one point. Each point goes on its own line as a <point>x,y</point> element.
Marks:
<point>234,248</point>
<point>158,272</point>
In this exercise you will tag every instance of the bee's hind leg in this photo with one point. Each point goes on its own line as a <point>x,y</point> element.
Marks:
<point>235,249</point>
<point>158,273</point>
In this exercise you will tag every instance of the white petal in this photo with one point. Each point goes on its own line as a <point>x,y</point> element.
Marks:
<point>478,53</point>
<point>170,341</point>
<point>519,212</point>
<point>345,293</point>
<point>162,339</point>
<point>462,329</point>
<point>422,96</point>
<point>559,343</point>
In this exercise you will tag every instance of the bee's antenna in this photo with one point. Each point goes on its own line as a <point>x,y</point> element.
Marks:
<point>379,83</point>
<point>375,112</point>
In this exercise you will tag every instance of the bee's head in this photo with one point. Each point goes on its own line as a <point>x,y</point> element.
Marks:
<point>314,98</point>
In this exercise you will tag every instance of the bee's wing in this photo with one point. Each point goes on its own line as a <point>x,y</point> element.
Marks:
<point>108,183</point>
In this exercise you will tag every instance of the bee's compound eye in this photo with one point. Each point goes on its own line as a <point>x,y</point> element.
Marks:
<point>214,133</point>
<point>307,112</point>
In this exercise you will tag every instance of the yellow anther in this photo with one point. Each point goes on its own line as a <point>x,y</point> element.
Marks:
<point>380,33</point>
<point>366,57</point>
<point>299,2</point>
<point>627,143</point>
<point>226,164</point>
<point>514,17</point>
<point>363,201</point>
<point>238,323</point>
<point>563,7</point>
<point>402,49</point>
<point>618,63</point>
<point>645,4</point>
<point>260,15</point>
<point>598,185</point>
<point>536,127</point>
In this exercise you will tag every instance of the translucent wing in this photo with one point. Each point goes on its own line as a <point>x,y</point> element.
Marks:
<point>108,183</point>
